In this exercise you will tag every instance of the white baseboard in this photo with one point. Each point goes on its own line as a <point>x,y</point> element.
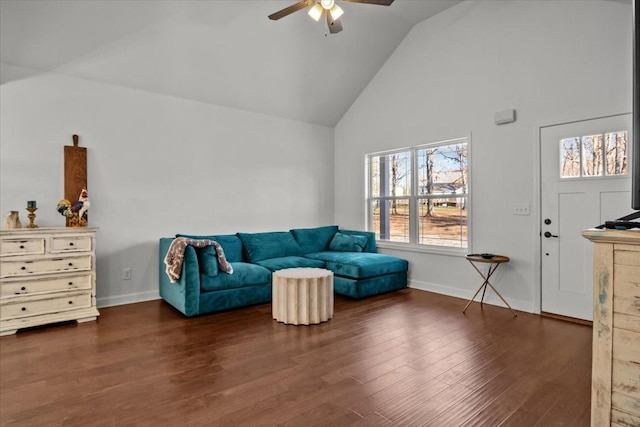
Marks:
<point>127,299</point>
<point>490,297</point>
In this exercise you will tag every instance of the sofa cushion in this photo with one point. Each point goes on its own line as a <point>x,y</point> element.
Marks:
<point>371,286</point>
<point>314,239</point>
<point>230,243</point>
<point>275,264</point>
<point>225,299</point>
<point>244,274</point>
<point>347,243</point>
<point>360,265</point>
<point>260,246</point>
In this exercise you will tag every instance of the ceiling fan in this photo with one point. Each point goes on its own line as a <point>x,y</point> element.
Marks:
<point>329,8</point>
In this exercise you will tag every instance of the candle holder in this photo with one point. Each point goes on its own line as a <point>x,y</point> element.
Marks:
<point>32,217</point>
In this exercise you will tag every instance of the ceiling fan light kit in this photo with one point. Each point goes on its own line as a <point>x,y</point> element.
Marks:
<point>329,8</point>
<point>315,12</point>
<point>336,12</point>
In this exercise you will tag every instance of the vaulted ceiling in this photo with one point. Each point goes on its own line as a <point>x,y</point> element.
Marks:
<point>221,52</point>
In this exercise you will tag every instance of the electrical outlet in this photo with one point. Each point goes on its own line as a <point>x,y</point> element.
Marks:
<point>126,274</point>
<point>521,208</point>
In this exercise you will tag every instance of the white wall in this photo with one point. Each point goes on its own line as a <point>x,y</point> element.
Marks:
<point>552,61</point>
<point>157,166</point>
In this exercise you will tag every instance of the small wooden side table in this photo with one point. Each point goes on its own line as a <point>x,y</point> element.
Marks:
<point>493,261</point>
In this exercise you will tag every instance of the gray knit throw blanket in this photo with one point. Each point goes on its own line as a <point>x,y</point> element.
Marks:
<point>175,256</point>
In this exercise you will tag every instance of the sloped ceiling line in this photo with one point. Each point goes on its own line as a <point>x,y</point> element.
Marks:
<point>220,52</point>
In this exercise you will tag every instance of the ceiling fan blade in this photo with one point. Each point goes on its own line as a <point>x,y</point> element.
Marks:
<point>378,2</point>
<point>289,10</point>
<point>334,26</point>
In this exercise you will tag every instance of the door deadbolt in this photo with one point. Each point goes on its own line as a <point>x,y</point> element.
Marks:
<point>547,221</point>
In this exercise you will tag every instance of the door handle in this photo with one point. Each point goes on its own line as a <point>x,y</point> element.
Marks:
<point>547,234</point>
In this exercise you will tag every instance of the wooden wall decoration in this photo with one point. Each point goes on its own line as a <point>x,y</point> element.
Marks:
<point>75,176</point>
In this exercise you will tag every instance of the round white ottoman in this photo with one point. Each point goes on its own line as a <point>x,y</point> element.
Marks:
<point>302,296</point>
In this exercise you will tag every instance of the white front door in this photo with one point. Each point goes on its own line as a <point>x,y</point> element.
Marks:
<point>584,182</point>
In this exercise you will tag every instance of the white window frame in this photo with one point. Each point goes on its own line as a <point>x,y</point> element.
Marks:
<point>415,197</point>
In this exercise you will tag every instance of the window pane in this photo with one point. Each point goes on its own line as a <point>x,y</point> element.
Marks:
<point>391,175</point>
<point>592,164</point>
<point>390,219</point>
<point>570,157</point>
<point>616,153</point>
<point>374,172</point>
<point>443,222</point>
<point>376,225</point>
<point>443,170</point>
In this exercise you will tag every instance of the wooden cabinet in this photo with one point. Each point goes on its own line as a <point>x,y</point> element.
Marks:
<point>615,387</point>
<point>47,275</point>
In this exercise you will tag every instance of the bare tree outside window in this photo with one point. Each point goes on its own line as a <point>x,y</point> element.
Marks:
<point>616,147</point>
<point>426,162</point>
<point>570,157</point>
<point>594,155</point>
<point>458,155</point>
<point>400,170</point>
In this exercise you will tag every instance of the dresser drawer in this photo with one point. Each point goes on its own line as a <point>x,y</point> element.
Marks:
<point>47,265</point>
<point>34,246</point>
<point>70,244</point>
<point>44,306</point>
<point>45,285</point>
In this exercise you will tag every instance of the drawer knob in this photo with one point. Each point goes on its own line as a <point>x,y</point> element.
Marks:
<point>70,302</point>
<point>71,244</point>
<point>23,288</point>
<point>70,283</point>
<point>24,308</point>
<point>21,246</point>
<point>70,264</point>
<point>23,268</point>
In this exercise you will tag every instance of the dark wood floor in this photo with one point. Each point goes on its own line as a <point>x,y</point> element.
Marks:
<point>407,358</point>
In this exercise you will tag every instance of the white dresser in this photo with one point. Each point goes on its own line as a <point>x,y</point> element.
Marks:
<point>47,275</point>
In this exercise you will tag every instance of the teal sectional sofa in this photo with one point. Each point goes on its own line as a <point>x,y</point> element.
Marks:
<point>359,271</point>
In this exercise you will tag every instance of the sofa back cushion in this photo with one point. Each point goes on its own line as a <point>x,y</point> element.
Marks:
<point>230,243</point>
<point>207,260</point>
<point>275,264</point>
<point>276,244</point>
<point>314,239</point>
<point>244,275</point>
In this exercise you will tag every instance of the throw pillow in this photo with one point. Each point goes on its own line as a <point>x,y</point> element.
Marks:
<point>347,243</point>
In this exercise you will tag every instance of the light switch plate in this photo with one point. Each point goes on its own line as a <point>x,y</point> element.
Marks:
<point>521,209</point>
